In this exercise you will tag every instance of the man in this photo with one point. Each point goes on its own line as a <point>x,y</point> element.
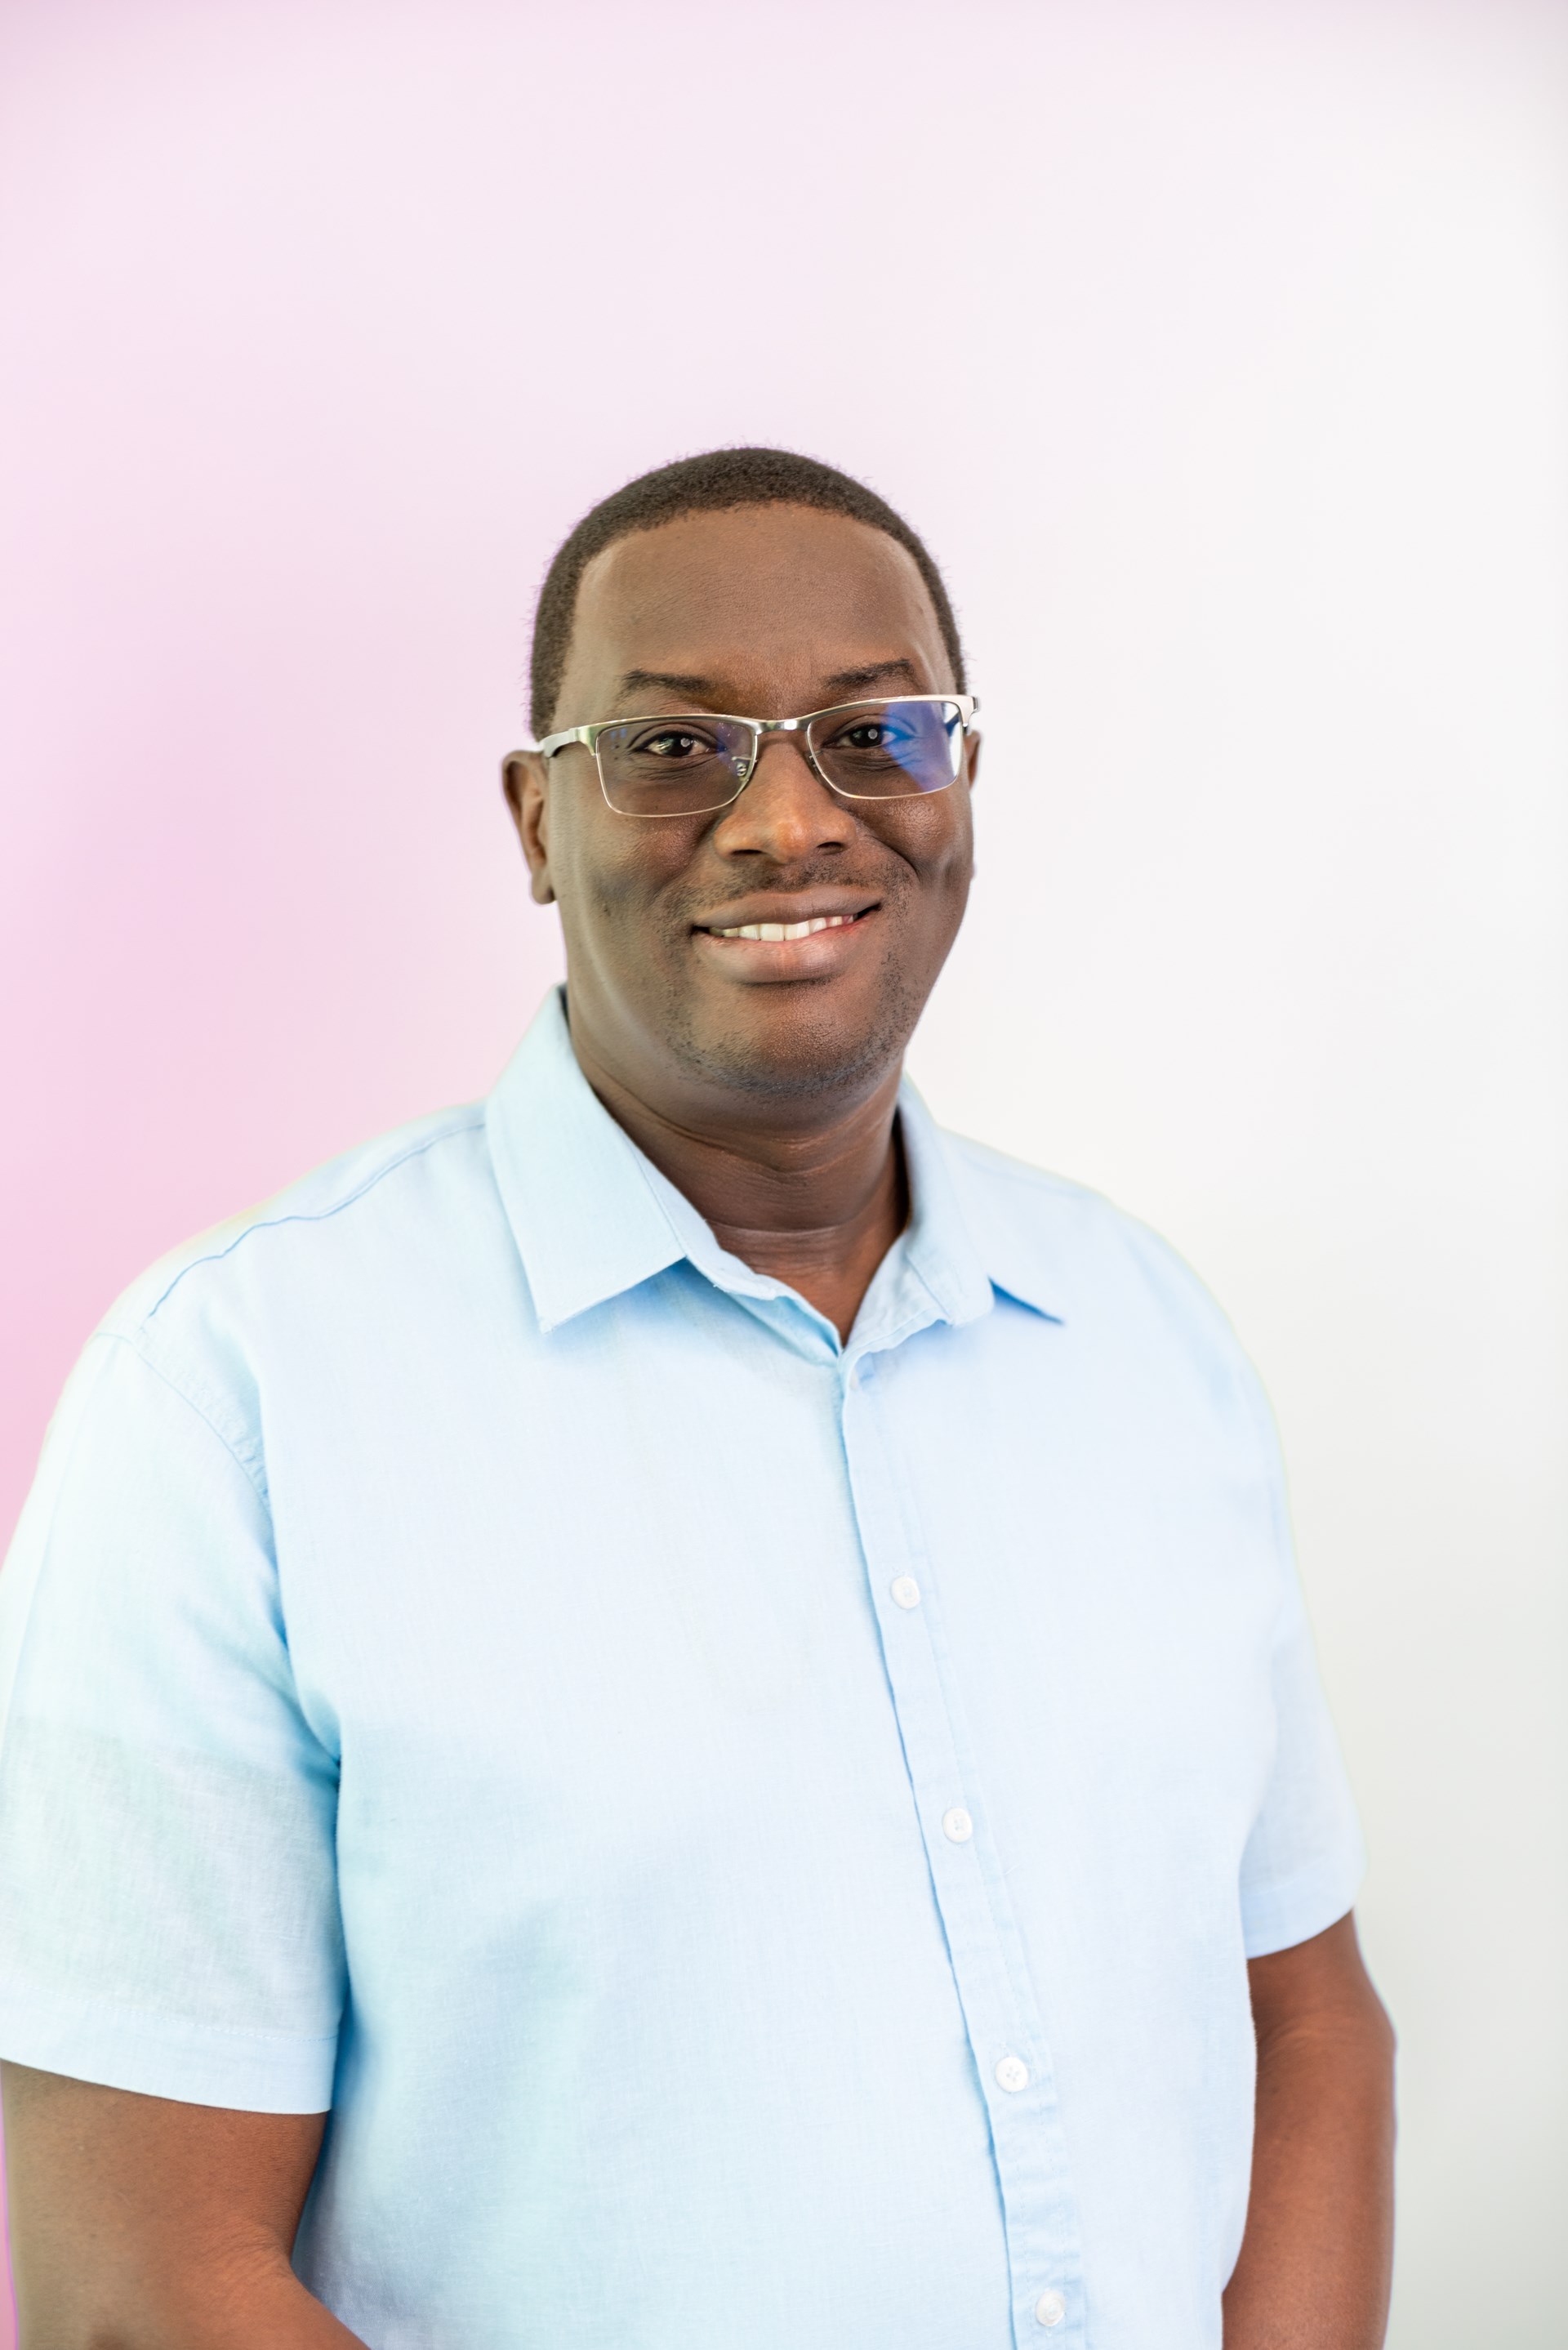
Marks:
<point>677,1706</point>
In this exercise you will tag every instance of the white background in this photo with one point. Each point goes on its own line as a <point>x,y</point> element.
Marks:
<point>1220,354</point>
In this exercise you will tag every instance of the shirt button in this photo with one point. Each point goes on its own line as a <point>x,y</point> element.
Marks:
<point>1012,2075</point>
<point>1050,2309</point>
<point>905,1590</point>
<point>957,1825</point>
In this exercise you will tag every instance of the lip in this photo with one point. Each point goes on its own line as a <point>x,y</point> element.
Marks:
<point>817,956</point>
<point>789,906</point>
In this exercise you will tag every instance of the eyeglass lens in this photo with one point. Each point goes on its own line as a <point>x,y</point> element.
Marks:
<point>689,765</point>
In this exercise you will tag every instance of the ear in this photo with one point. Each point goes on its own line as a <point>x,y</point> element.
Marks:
<point>523,779</point>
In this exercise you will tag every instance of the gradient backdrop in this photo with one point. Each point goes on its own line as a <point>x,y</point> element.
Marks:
<point>1220,353</point>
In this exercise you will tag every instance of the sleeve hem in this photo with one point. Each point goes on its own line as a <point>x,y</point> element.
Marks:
<point>1277,1917</point>
<point>164,2056</point>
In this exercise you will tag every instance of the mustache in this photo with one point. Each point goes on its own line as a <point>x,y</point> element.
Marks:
<point>790,880</point>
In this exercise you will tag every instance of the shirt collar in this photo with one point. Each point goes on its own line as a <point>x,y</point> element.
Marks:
<point>593,1218</point>
<point>585,1220</point>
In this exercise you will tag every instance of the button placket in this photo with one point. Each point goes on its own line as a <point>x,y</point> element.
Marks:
<point>984,1951</point>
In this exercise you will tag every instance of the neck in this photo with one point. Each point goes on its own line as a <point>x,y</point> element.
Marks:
<point>816,1206</point>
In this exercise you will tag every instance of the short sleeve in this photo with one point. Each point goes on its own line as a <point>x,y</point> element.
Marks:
<point>169,1917</point>
<point>1303,1859</point>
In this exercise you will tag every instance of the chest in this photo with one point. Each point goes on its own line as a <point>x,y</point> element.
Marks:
<point>647,1562</point>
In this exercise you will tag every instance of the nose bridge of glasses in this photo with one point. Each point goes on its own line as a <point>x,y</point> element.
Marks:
<point>783,730</point>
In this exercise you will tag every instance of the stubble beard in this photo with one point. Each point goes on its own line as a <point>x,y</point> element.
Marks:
<point>808,1056</point>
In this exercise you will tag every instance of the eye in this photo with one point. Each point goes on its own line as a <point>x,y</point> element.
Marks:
<point>880,733</point>
<point>673,743</point>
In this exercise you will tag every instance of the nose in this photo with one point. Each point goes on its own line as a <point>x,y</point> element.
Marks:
<point>786,813</point>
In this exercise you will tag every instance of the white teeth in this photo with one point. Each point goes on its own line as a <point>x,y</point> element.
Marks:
<point>787,929</point>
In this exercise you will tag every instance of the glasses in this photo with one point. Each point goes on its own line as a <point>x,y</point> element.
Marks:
<point>699,761</point>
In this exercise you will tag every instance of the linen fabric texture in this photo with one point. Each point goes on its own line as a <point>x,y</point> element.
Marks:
<point>452,1674</point>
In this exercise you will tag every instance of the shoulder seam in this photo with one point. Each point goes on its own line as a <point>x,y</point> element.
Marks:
<point>466,1125</point>
<point>257,1482</point>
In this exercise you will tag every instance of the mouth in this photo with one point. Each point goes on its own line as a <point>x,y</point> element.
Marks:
<point>774,931</point>
<point>816,943</point>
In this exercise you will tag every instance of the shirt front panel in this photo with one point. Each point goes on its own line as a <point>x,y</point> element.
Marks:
<point>1102,1630</point>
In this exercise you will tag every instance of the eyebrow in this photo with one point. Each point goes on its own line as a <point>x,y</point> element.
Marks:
<point>872,671</point>
<point>637,680</point>
<point>844,680</point>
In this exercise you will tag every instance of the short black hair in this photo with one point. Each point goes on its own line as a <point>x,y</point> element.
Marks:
<point>712,483</point>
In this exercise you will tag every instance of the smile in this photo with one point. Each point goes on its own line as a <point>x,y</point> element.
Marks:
<point>786,929</point>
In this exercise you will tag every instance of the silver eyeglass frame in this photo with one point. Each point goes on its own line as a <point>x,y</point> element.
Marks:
<point>966,705</point>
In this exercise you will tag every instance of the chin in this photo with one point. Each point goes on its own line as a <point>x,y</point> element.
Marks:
<point>798,1053</point>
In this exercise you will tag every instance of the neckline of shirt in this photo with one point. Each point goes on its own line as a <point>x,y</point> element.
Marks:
<point>593,1217</point>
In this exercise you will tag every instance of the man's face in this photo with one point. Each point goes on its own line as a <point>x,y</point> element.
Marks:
<point>765,612</point>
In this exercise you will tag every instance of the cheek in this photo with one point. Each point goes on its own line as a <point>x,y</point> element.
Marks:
<point>936,839</point>
<point>610,876</point>
<point>946,879</point>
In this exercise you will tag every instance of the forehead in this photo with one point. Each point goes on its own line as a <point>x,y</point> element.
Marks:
<point>771,597</point>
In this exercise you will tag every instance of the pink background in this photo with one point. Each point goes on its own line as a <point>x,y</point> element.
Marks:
<point>1220,351</point>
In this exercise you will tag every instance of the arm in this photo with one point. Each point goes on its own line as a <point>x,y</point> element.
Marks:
<point>1314,2272</point>
<point>137,2224</point>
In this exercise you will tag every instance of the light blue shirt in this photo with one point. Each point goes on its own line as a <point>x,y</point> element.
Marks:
<point>756,1840</point>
